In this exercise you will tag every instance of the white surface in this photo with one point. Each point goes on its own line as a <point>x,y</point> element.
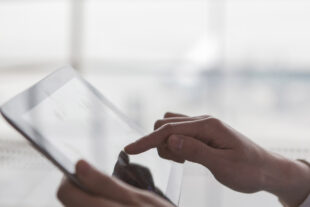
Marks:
<point>200,189</point>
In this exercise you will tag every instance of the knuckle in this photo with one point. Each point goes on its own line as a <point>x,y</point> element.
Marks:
<point>158,124</point>
<point>214,122</point>
<point>161,153</point>
<point>167,114</point>
<point>205,116</point>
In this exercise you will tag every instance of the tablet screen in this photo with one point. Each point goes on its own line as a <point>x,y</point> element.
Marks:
<point>82,125</point>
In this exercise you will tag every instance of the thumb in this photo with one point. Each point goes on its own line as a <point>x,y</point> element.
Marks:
<point>191,149</point>
<point>101,184</point>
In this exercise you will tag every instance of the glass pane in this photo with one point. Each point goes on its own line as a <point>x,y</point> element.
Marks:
<point>268,33</point>
<point>143,30</point>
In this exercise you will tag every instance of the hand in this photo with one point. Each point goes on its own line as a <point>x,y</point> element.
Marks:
<point>234,160</point>
<point>105,191</point>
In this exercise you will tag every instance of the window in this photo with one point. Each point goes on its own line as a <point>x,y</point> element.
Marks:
<point>244,61</point>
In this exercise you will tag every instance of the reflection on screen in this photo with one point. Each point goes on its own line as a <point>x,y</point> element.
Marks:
<point>82,126</point>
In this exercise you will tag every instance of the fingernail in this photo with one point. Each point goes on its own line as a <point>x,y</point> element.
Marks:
<point>176,142</point>
<point>82,168</point>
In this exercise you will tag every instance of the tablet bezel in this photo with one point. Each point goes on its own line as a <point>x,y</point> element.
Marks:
<point>20,104</point>
<point>25,101</point>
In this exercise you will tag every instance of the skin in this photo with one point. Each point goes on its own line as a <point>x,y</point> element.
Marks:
<point>105,191</point>
<point>233,159</point>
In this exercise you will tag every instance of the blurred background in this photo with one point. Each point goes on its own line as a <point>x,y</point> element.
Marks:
<point>244,61</point>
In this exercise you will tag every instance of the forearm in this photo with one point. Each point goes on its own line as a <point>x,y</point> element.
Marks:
<point>287,179</point>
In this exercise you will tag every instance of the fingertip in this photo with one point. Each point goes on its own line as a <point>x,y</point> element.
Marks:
<point>130,149</point>
<point>145,143</point>
<point>136,147</point>
<point>82,168</point>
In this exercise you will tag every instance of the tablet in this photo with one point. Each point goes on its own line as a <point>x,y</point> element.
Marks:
<point>67,119</point>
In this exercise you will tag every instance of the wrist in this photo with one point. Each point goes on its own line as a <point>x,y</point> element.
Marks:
<point>289,180</point>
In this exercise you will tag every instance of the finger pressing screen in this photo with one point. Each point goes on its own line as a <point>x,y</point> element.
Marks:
<point>159,136</point>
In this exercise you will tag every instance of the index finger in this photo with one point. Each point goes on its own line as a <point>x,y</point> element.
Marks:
<point>159,136</point>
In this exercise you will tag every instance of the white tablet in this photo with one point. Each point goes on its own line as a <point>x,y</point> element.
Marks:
<point>67,119</point>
